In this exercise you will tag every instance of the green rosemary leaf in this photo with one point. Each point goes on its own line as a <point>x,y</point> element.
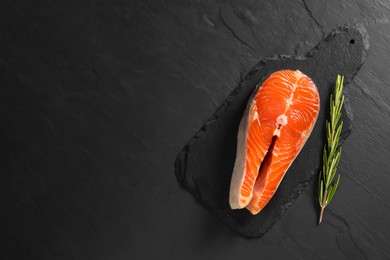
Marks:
<point>338,132</point>
<point>333,190</point>
<point>329,195</point>
<point>320,190</point>
<point>325,156</point>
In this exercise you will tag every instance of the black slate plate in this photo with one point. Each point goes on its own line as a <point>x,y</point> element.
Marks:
<point>205,165</point>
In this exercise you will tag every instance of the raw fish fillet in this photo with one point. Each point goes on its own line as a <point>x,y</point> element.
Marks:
<point>276,124</point>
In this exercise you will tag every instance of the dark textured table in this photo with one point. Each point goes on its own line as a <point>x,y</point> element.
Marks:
<point>99,97</point>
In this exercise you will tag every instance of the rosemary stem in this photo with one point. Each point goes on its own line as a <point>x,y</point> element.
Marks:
<point>322,207</point>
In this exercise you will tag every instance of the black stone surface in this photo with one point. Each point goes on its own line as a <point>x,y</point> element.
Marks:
<point>97,98</point>
<point>206,163</point>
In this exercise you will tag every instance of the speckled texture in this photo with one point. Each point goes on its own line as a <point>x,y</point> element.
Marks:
<point>97,98</point>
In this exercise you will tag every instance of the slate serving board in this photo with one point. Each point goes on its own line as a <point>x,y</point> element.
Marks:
<point>205,164</point>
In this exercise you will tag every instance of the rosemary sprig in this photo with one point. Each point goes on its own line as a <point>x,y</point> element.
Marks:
<point>331,156</point>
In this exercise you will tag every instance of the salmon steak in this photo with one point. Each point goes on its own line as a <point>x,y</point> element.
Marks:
<point>278,120</point>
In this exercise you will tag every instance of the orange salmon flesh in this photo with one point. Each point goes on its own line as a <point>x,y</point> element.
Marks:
<point>277,122</point>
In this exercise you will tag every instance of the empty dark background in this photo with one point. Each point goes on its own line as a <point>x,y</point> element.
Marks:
<point>98,97</point>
